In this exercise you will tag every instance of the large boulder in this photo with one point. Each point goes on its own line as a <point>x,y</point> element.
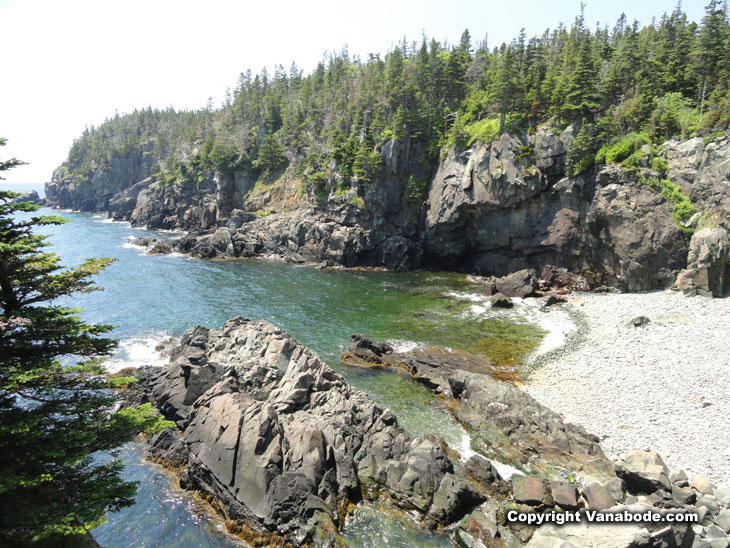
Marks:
<point>31,196</point>
<point>644,471</point>
<point>706,264</point>
<point>518,284</point>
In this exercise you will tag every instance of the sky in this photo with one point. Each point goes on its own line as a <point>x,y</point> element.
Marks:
<point>72,63</point>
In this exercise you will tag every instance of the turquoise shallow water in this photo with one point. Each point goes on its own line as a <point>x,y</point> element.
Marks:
<point>152,298</point>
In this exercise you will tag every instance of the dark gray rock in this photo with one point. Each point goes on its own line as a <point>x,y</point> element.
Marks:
<point>28,197</point>
<point>518,284</point>
<point>278,438</point>
<point>453,499</point>
<point>644,471</point>
<point>483,472</point>
<point>168,447</point>
<point>494,209</point>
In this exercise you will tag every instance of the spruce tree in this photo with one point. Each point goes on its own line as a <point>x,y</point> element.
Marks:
<point>56,408</point>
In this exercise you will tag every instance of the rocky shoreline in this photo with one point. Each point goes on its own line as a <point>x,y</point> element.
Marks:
<point>282,447</point>
<point>662,384</point>
<point>492,209</point>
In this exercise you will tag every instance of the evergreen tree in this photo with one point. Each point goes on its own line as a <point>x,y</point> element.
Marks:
<point>713,48</point>
<point>271,155</point>
<point>53,416</point>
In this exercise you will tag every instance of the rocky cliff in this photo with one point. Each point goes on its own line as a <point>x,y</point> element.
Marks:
<point>491,209</point>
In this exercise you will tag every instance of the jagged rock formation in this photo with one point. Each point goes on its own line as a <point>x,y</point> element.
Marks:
<point>507,424</point>
<point>492,209</point>
<point>282,443</point>
<point>706,264</point>
<point>30,196</point>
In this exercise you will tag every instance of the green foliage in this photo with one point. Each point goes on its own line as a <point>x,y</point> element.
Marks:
<point>53,417</point>
<point>117,382</point>
<point>659,164</point>
<point>271,155</point>
<point>140,419</point>
<point>367,163</point>
<point>483,131</point>
<point>358,202</point>
<point>415,192</point>
<point>670,77</point>
<point>682,208</point>
<point>581,155</point>
<point>622,149</point>
<point>674,115</point>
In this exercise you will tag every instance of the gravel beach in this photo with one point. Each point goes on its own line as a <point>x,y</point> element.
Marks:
<point>662,386</point>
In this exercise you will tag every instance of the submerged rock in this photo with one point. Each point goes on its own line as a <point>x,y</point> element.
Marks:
<point>506,423</point>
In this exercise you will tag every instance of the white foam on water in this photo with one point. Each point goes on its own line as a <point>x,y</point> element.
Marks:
<point>558,325</point>
<point>139,351</point>
<point>473,297</point>
<point>505,470</point>
<point>403,346</point>
<point>464,447</point>
<point>132,245</point>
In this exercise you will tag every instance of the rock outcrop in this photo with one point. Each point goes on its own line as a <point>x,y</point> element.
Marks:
<point>492,209</point>
<point>282,443</point>
<point>30,196</point>
<point>707,267</point>
<point>507,424</point>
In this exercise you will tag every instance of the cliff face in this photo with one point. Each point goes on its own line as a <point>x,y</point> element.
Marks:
<point>507,206</point>
<point>94,190</point>
<point>491,209</point>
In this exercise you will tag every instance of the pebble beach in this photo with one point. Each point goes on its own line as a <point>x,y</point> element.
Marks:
<point>663,385</point>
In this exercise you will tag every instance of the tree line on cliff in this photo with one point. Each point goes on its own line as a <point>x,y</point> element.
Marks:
<point>668,78</point>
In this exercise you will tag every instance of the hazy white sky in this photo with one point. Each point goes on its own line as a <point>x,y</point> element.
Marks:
<point>72,63</point>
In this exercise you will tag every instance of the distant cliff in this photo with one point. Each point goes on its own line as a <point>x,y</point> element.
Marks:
<point>490,209</point>
<point>567,149</point>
